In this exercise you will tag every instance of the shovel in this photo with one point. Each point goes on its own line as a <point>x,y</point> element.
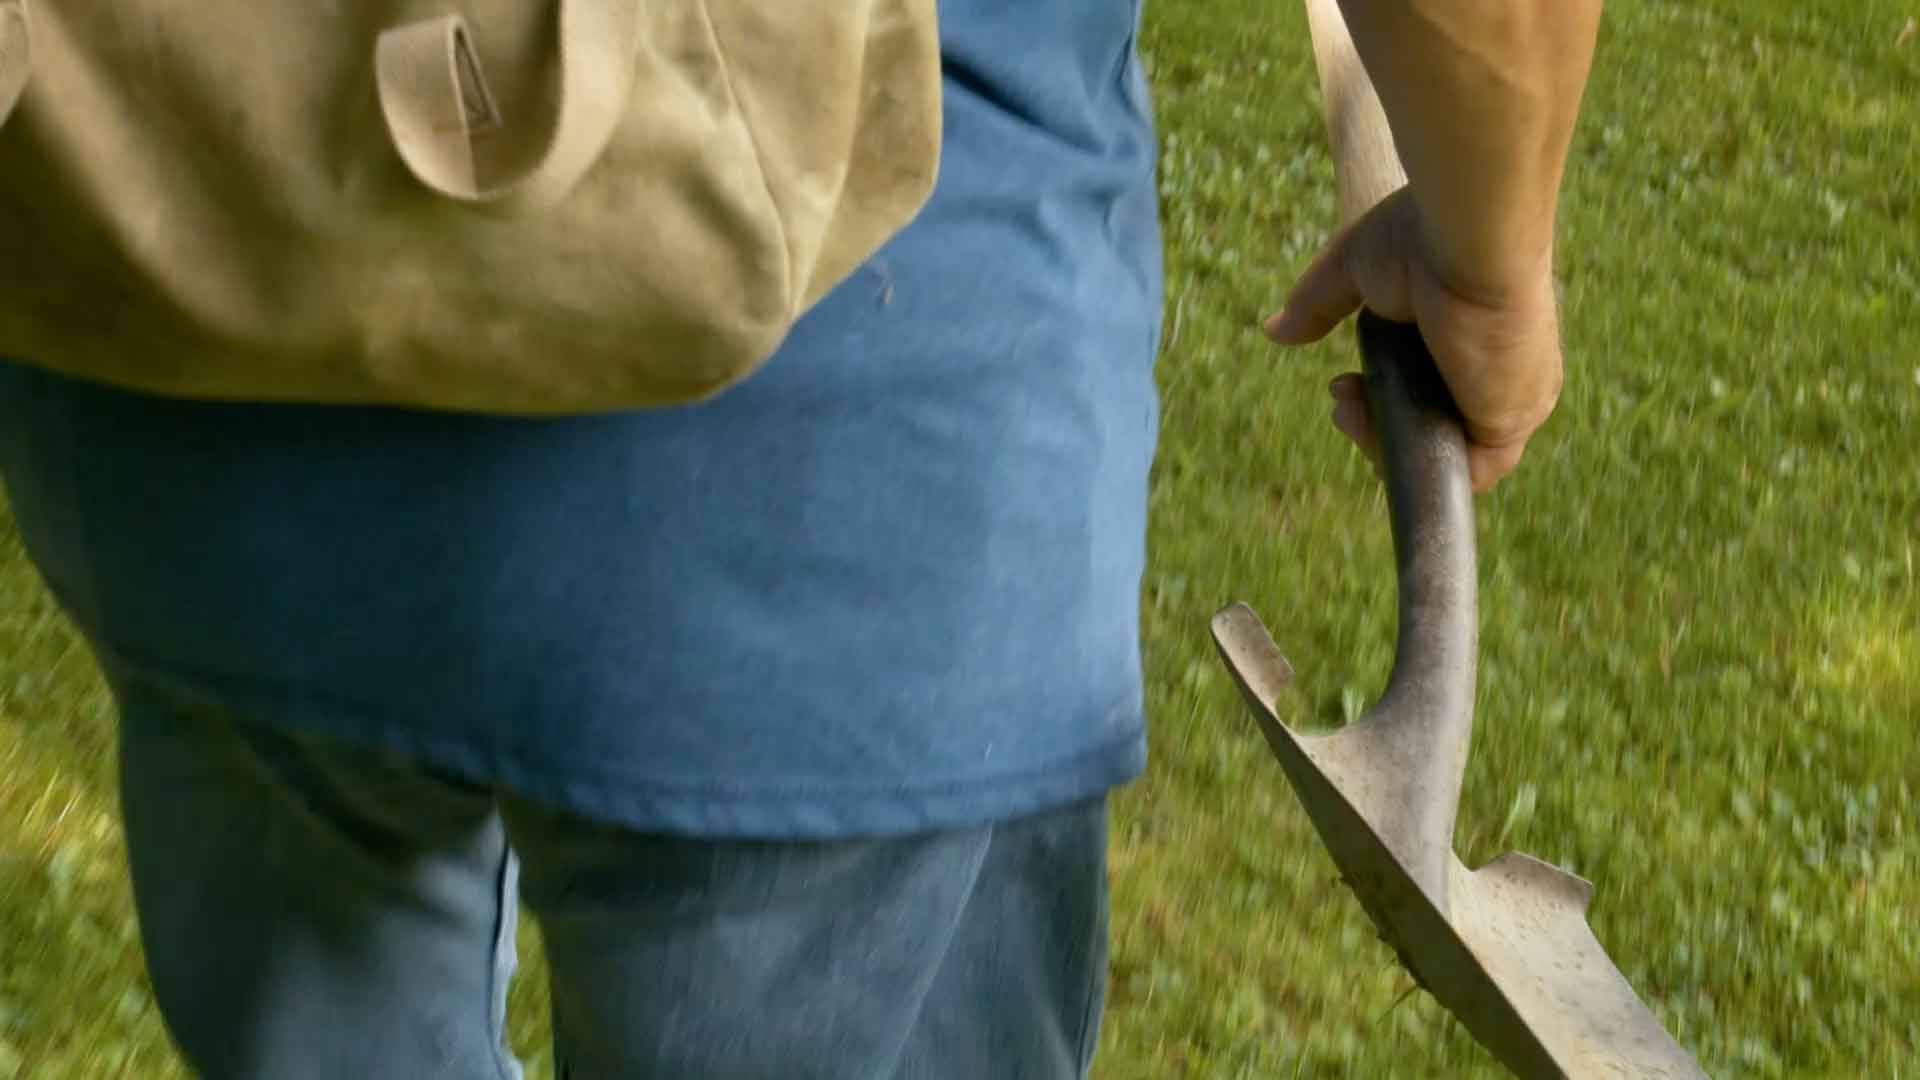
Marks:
<point>1506,947</point>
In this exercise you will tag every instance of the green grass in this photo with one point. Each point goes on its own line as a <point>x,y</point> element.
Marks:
<point>1700,619</point>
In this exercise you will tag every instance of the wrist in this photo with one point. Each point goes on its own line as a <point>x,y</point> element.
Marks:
<point>1494,268</point>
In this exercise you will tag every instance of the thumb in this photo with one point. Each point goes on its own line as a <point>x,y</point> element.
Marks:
<point>1321,300</point>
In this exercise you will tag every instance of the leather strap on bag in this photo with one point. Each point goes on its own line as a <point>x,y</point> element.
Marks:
<point>435,99</point>
<point>16,53</point>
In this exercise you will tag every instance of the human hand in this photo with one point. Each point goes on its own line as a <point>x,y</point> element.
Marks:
<point>1497,344</point>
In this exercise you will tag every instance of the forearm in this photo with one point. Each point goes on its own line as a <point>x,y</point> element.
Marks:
<point>1482,96</point>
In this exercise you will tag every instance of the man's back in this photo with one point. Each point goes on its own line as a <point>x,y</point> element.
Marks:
<point>887,584</point>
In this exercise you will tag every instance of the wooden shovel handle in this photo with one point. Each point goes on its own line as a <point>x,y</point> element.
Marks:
<point>1429,491</point>
<point>1366,166</point>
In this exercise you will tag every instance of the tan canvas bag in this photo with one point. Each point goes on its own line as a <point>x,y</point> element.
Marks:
<point>492,205</point>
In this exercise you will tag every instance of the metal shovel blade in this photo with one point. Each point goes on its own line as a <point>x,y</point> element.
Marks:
<point>1506,948</point>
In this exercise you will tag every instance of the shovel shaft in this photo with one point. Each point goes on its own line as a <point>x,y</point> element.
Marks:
<point>1429,491</point>
<point>1366,167</point>
<point>1430,504</point>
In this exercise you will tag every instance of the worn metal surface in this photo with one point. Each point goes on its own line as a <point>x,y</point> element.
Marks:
<point>1506,948</point>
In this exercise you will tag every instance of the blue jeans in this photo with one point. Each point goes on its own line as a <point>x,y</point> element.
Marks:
<point>316,909</point>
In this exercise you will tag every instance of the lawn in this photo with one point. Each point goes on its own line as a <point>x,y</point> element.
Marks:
<point>1700,620</point>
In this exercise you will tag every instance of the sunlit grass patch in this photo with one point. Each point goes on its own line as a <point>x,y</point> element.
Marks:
<point>1867,655</point>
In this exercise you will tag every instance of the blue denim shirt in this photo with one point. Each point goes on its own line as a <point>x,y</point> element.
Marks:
<point>889,583</point>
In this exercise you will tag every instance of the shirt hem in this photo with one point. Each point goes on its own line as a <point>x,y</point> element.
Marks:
<point>817,809</point>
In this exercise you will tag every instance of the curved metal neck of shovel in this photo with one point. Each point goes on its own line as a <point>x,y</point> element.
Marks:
<point>1430,503</point>
<point>1421,728</point>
